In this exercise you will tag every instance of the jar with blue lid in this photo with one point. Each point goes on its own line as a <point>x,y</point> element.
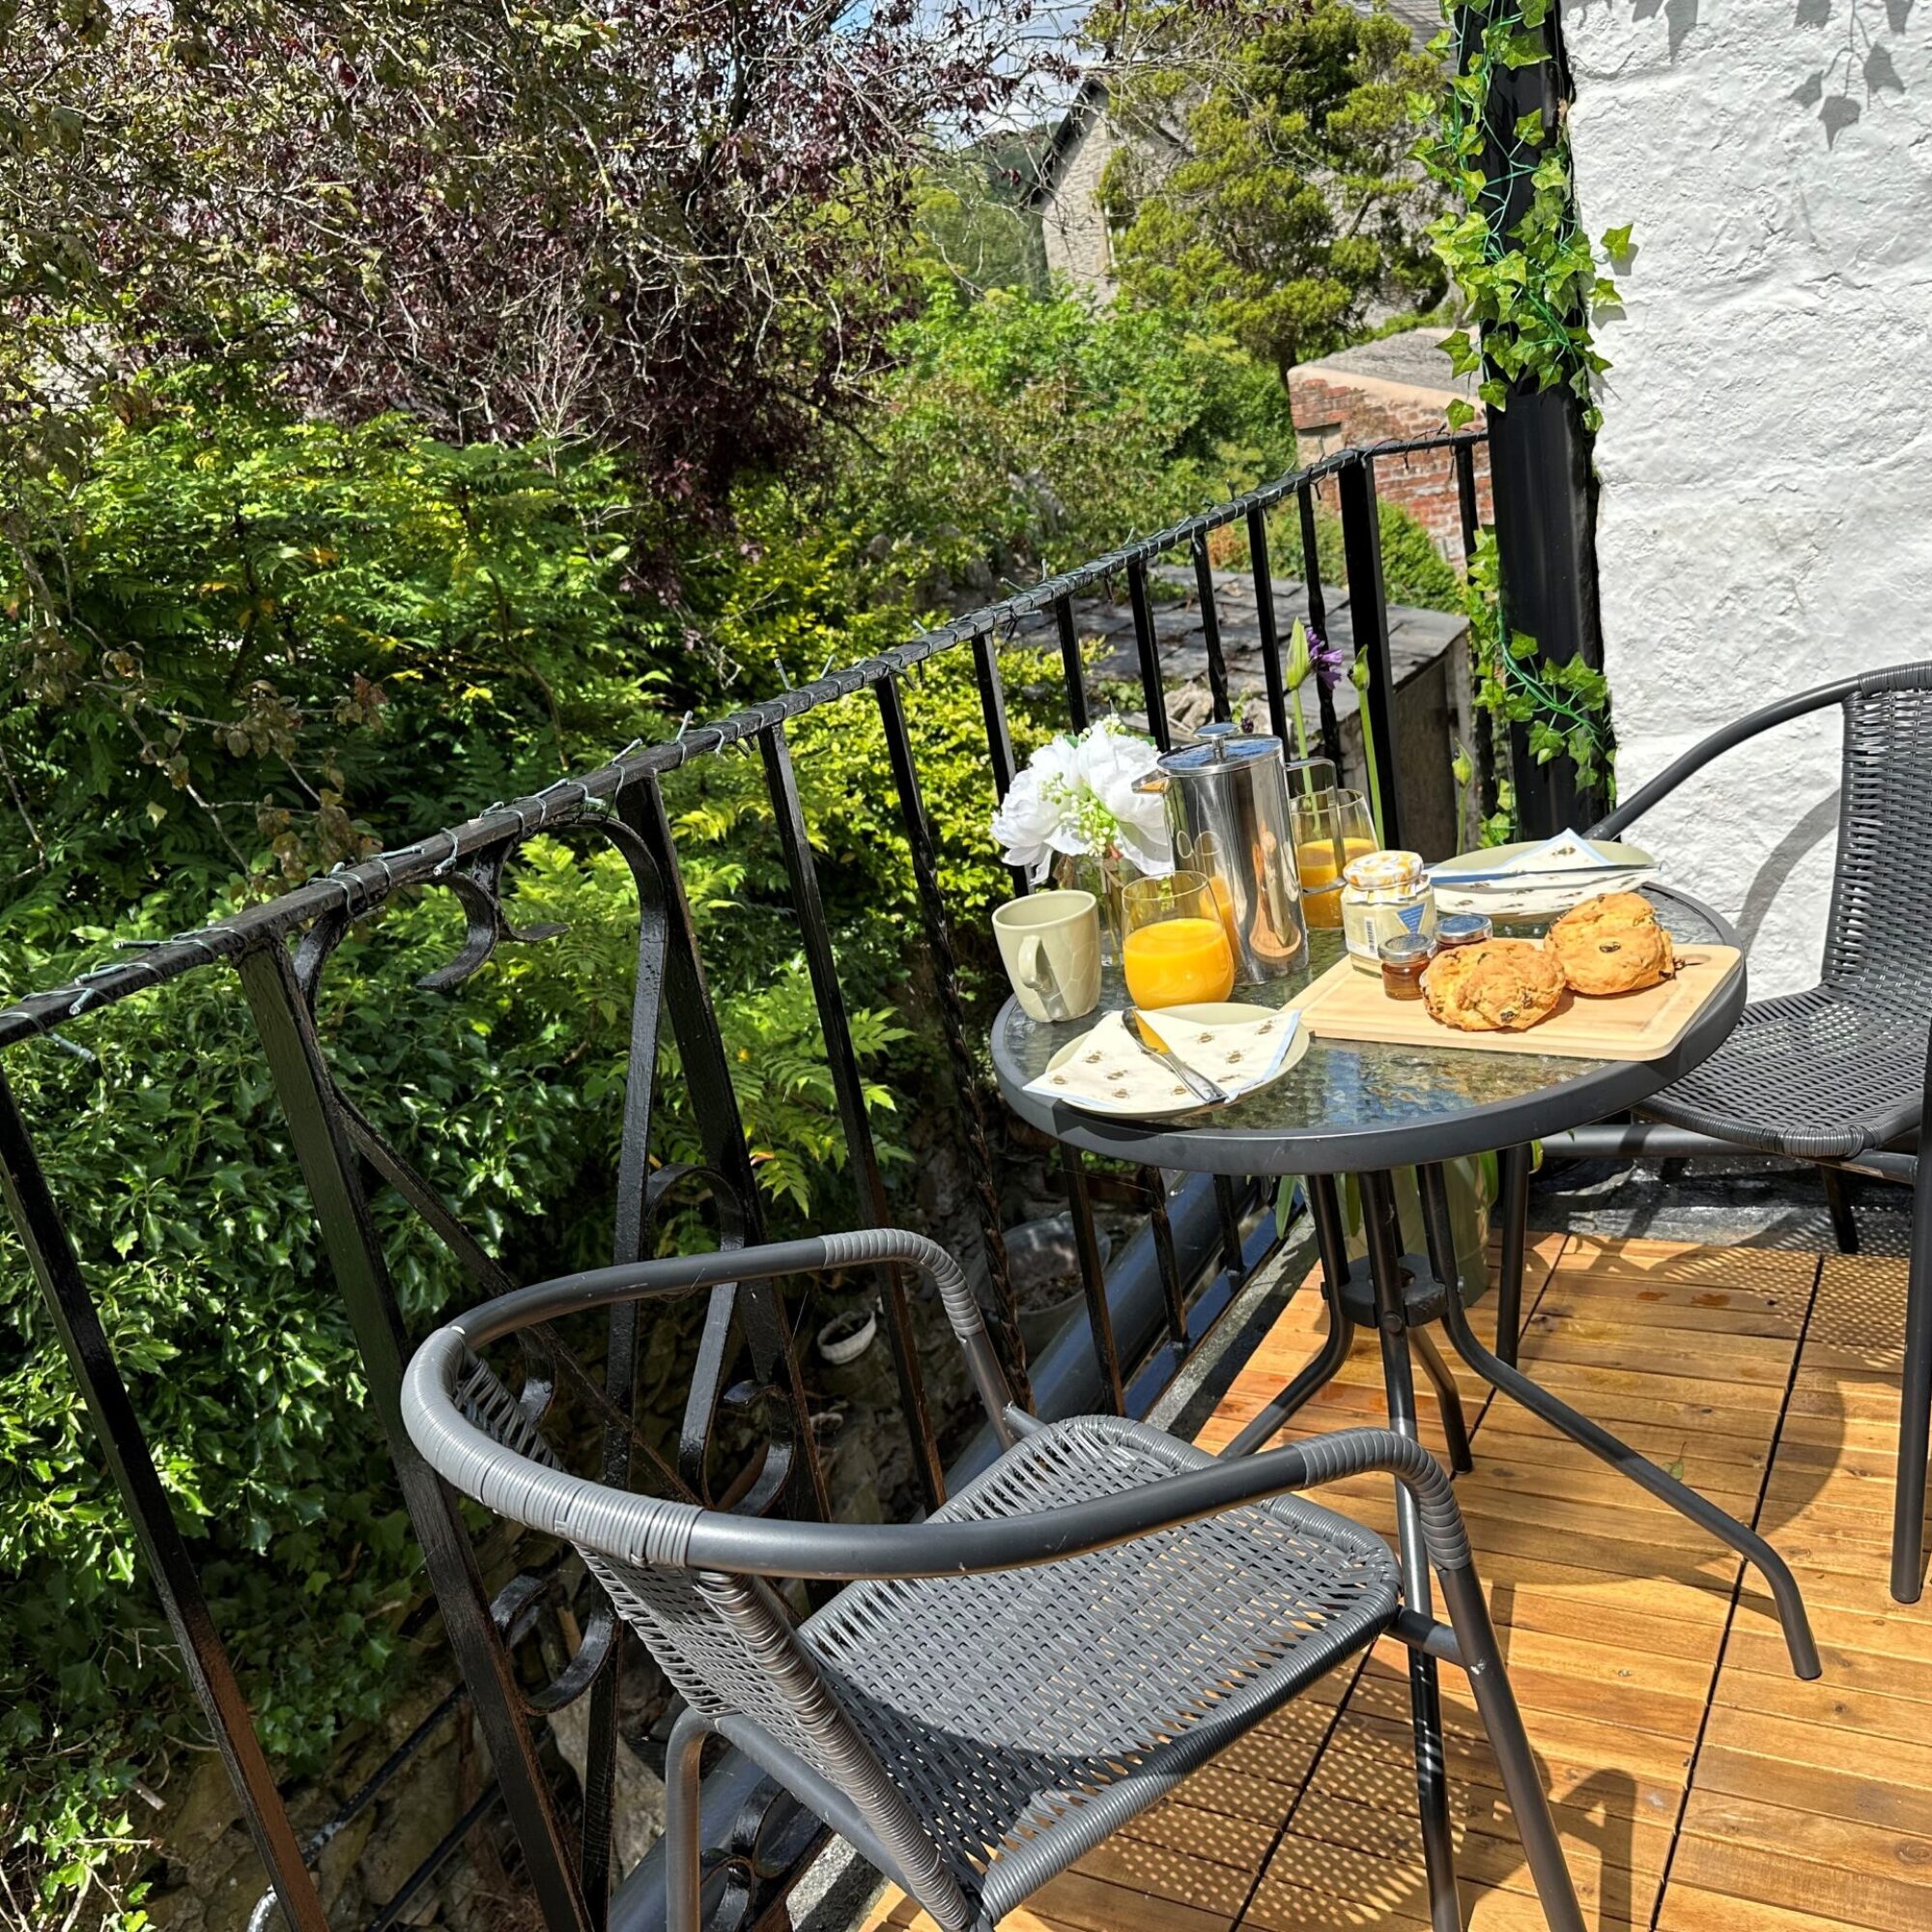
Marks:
<point>1384,894</point>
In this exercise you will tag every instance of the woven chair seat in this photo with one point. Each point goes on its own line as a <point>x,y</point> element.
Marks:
<point>1027,1712</point>
<point>1822,1074</point>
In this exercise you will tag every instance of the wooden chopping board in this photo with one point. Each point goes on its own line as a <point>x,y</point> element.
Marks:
<point>1348,1004</point>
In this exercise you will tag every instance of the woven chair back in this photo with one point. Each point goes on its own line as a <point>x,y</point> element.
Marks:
<point>1880,933</point>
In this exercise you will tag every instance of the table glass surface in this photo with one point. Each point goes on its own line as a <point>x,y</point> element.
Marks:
<point>1339,1088</point>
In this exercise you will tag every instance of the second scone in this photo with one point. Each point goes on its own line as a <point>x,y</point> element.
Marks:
<point>1503,986</point>
<point>1612,944</point>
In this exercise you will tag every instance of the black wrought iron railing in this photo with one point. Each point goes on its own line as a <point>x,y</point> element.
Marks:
<point>1144,1318</point>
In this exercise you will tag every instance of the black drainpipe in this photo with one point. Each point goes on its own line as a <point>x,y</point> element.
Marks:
<point>1542,477</point>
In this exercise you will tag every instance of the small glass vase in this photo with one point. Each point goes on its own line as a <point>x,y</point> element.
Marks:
<point>1106,875</point>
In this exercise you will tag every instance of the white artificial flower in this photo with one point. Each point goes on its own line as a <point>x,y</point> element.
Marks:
<point>1077,796</point>
<point>1032,822</point>
<point>1112,760</point>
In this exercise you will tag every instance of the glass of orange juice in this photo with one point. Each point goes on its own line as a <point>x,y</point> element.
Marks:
<point>1330,828</point>
<point>1176,951</point>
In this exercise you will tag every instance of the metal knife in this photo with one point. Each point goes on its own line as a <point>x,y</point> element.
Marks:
<point>1154,1047</point>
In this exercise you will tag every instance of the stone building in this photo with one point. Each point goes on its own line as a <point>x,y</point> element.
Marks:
<point>1068,190</point>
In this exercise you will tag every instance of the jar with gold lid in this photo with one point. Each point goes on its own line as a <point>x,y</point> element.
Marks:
<point>1384,893</point>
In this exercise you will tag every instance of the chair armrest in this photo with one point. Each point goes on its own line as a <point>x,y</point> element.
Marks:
<point>1717,744</point>
<point>846,1551</point>
<point>660,1532</point>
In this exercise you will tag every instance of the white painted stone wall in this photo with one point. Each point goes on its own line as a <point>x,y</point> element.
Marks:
<point>1766,458</point>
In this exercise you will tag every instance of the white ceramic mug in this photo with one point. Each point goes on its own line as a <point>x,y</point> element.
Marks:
<point>1051,946</point>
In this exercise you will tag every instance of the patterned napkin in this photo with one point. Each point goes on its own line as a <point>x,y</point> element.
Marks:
<point>1543,889</point>
<point>1111,1071</point>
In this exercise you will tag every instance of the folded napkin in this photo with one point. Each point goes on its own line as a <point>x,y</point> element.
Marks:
<point>1568,851</point>
<point>1111,1071</point>
<point>1545,888</point>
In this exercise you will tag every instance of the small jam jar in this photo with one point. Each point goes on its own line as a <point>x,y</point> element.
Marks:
<point>1462,929</point>
<point>1403,960</point>
<point>1384,894</point>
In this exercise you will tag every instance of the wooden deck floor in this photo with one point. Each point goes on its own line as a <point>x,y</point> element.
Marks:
<point>1699,1786</point>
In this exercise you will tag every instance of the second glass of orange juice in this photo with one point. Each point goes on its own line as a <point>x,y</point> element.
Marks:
<point>1176,952</point>
<point>1331,828</point>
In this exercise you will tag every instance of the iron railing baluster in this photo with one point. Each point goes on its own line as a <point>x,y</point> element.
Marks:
<point>993,709</point>
<point>331,1168</point>
<point>850,1091</point>
<point>999,738</point>
<point>1153,690</point>
<point>1465,502</point>
<point>1071,665</point>
<point>116,1428</point>
<point>1004,1315</point>
<point>1317,622</point>
<point>630,1236</point>
<point>1211,628</point>
<point>1227,1205</point>
<point>1265,623</point>
<point>759,1306</point>
<point>1368,616</point>
<point>1172,1299</point>
<point>1093,1277</point>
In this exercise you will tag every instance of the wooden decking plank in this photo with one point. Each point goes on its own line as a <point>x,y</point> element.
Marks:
<point>1805,1808</point>
<point>1688,1908</point>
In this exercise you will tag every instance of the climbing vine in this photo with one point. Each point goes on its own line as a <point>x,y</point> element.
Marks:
<point>1563,707</point>
<point>1530,278</point>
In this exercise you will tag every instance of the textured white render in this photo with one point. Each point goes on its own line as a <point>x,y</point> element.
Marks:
<point>1766,458</point>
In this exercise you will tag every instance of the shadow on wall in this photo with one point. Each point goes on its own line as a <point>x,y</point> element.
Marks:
<point>1854,48</point>
<point>1817,825</point>
<point>1857,62</point>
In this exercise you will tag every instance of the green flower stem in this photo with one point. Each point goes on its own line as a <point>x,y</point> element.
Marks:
<point>1359,677</point>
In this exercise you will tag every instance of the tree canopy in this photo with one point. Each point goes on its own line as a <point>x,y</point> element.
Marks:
<point>667,224</point>
<point>1296,210</point>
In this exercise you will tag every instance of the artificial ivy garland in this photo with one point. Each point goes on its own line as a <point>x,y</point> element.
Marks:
<point>1529,278</point>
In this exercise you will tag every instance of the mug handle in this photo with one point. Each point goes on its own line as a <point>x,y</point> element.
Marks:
<point>1034,968</point>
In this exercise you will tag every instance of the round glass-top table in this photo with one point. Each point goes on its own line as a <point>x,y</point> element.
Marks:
<point>1353,1107</point>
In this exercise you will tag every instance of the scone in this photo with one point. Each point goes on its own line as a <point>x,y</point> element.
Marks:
<point>1612,944</point>
<point>1503,986</point>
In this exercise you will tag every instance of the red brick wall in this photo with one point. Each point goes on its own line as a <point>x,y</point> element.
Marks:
<point>1334,410</point>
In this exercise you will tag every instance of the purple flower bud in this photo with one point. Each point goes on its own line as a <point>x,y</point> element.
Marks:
<point>1330,661</point>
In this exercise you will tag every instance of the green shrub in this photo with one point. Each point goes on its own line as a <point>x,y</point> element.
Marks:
<point>234,647</point>
<point>1024,433</point>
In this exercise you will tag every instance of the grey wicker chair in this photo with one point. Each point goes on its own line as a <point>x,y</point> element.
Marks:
<point>1839,1074</point>
<point>1041,1660</point>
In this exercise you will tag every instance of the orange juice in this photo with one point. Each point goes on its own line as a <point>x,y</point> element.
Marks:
<point>1178,960</point>
<point>1314,864</point>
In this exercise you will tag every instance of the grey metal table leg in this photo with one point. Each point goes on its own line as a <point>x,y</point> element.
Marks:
<point>1454,1426</point>
<point>1513,1175</point>
<point>1601,1442</point>
<point>1432,1779</point>
<point>1332,1242</point>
